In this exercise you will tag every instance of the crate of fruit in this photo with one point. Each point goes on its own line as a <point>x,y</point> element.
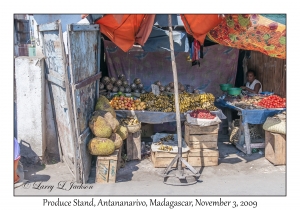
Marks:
<point>202,118</point>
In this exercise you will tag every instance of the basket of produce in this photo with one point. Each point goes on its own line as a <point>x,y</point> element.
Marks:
<point>132,124</point>
<point>234,91</point>
<point>202,117</point>
<point>224,87</point>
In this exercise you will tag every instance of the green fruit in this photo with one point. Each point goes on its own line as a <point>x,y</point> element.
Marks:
<point>123,132</point>
<point>109,118</point>
<point>104,105</point>
<point>100,127</point>
<point>101,146</point>
<point>116,138</point>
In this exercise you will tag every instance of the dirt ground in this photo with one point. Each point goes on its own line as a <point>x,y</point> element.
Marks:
<point>236,174</point>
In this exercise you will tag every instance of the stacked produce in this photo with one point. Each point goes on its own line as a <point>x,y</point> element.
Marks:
<point>121,84</point>
<point>127,103</point>
<point>273,101</point>
<point>170,87</point>
<point>202,114</point>
<point>109,135</point>
<point>187,101</point>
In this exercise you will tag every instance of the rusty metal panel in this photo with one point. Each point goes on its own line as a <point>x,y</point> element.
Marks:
<point>84,51</point>
<point>56,69</point>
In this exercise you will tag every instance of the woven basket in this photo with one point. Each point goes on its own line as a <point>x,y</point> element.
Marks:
<point>275,125</point>
<point>134,128</point>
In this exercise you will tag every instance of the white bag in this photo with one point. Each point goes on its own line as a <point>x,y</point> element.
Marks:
<point>202,122</point>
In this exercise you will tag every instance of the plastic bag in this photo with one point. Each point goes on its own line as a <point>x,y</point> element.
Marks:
<point>202,122</point>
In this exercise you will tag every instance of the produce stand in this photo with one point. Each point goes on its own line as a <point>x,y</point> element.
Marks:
<point>151,117</point>
<point>254,116</point>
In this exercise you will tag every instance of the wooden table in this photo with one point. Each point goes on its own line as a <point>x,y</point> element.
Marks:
<point>244,143</point>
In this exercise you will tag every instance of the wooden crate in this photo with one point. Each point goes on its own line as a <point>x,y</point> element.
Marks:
<point>163,159</point>
<point>275,148</point>
<point>201,137</point>
<point>107,167</point>
<point>203,157</point>
<point>134,146</point>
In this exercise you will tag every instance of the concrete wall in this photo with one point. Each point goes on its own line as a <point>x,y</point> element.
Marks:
<point>30,110</point>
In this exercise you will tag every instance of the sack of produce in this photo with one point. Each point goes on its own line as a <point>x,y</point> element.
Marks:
<point>202,118</point>
<point>275,125</point>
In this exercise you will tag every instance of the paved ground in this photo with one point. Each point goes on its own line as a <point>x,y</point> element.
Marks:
<point>236,174</point>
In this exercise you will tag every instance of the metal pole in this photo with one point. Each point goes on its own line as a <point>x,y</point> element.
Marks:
<point>177,109</point>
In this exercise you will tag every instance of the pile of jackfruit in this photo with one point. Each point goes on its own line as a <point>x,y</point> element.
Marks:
<point>109,134</point>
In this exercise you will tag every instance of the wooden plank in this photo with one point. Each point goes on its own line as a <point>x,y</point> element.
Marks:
<point>257,145</point>
<point>54,26</point>
<point>129,146</point>
<point>102,171</point>
<point>56,81</point>
<point>112,171</point>
<point>133,147</point>
<point>169,154</point>
<point>163,162</point>
<point>186,134</point>
<point>55,65</point>
<point>204,145</point>
<point>137,147</point>
<point>119,158</point>
<point>86,157</point>
<point>113,156</point>
<point>200,138</point>
<point>275,150</point>
<point>88,80</point>
<point>195,129</point>
<point>203,153</point>
<point>247,138</point>
<point>83,27</point>
<point>241,148</point>
<point>203,161</point>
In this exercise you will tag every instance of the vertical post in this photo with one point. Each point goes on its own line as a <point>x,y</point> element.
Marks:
<point>247,138</point>
<point>178,122</point>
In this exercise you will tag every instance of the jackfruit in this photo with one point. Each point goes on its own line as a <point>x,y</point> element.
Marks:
<point>109,118</point>
<point>116,138</point>
<point>100,127</point>
<point>104,105</point>
<point>123,132</point>
<point>101,146</point>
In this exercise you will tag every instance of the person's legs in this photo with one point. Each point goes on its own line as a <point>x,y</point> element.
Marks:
<point>16,159</point>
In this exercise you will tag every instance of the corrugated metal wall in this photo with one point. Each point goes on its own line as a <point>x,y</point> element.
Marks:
<point>271,72</point>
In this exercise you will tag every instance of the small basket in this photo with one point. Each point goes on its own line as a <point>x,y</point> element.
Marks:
<point>134,128</point>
